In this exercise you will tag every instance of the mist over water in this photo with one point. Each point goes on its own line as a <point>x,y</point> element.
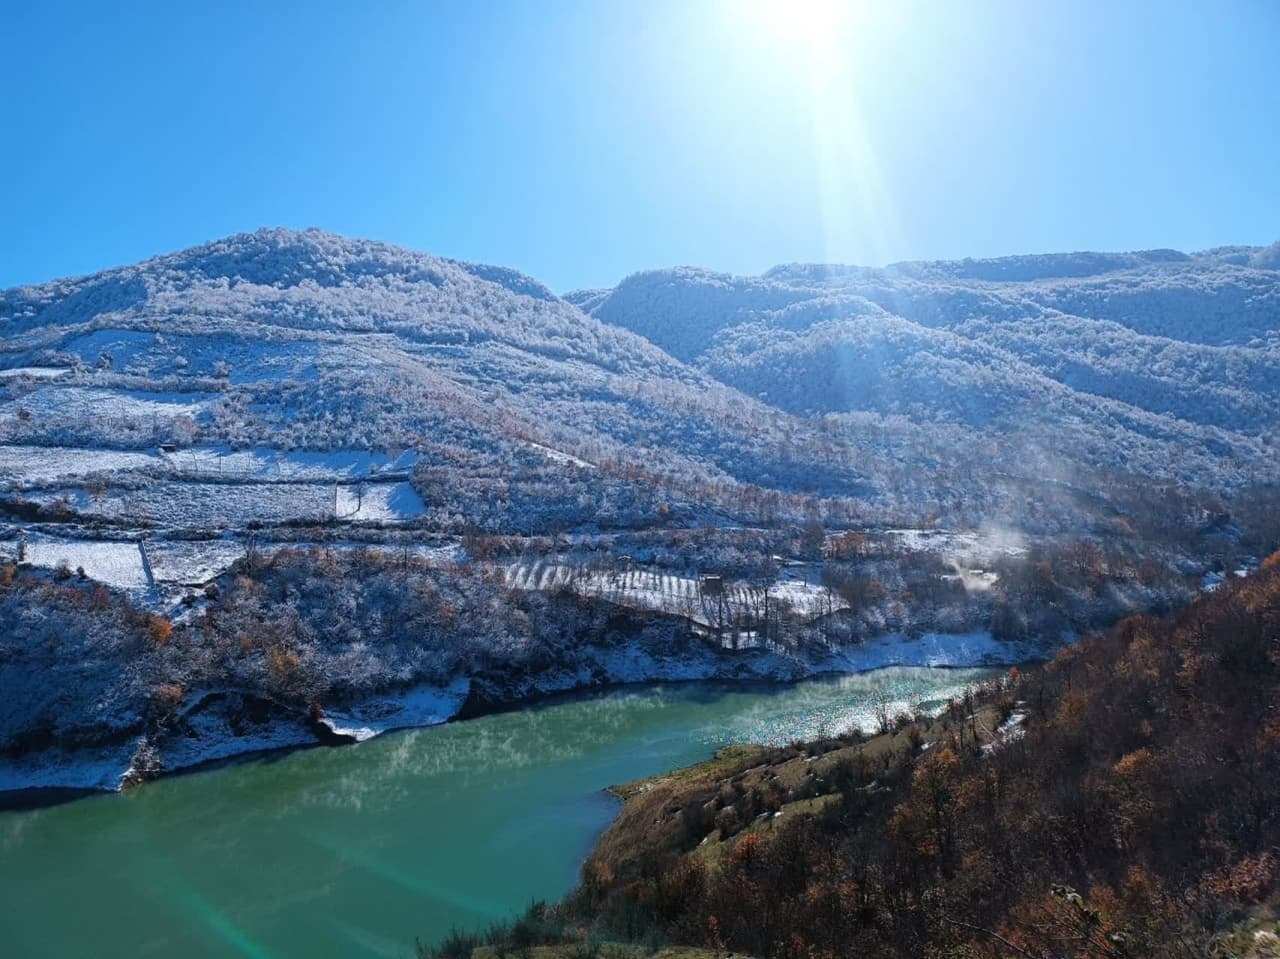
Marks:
<point>357,851</point>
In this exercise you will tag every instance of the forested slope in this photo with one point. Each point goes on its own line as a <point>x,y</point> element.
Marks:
<point>1119,802</point>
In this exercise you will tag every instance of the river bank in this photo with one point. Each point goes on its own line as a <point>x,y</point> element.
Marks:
<point>222,725</point>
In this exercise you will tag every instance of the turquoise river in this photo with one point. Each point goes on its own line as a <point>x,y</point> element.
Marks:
<point>358,851</point>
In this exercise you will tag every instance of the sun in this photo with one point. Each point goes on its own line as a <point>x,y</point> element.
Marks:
<point>812,29</point>
<point>821,58</point>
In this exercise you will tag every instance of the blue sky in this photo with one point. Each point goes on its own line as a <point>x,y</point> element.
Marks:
<point>581,141</point>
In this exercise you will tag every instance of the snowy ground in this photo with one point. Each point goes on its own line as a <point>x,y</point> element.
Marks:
<point>377,502</point>
<point>178,566</point>
<point>203,505</point>
<point>35,372</point>
<point>1011,730</point>
<point>267,465</point>
<point>191,563</point>
<point>61,402</point>
<point>241,359</point>
<point>971,545</point>
<point>556,456</point>
<point>192,505</point>
<point>40,465</point>
<point>420,706</point>
<point>113,563</point>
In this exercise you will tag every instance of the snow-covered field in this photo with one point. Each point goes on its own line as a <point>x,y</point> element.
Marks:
<point>377,502</point>
<point>191,563</point>
<point>192,505</point>
<point>177,563</point>
<point>63,402</point>
<point>40,465</point>
<point>54,769</point>
<point>214,486</point>
<point>985,544</point>
<point>267,465</point>
<point>113,563</point>
<point>35,372</point>
<point>204,505</point>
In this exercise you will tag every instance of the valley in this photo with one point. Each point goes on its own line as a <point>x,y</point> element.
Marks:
<point>634,480</point>
<point>290,487</point>
<point>290,490</point>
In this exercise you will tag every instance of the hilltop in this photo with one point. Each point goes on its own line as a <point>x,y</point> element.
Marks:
<point>1014,391</point>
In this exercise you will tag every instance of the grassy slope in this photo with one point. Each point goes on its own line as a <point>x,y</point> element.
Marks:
<point>796,781</point>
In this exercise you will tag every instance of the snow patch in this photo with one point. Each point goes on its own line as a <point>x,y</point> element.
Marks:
<point>99,769</point>
<point>35,372</point>
<point>564,459</point>
<point>45,464</point>
<point>192,563</point>
<point>425,705</point>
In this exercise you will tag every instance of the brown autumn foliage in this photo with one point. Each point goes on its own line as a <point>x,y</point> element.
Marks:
<point>159,629</point>
<point>1138,816</point>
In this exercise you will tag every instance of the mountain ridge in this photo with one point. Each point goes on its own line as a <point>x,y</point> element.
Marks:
<point>1126,350</point>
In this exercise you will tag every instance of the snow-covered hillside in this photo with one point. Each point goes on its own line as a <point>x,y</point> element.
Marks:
<point>1156,363</point>
<point>306,341</point>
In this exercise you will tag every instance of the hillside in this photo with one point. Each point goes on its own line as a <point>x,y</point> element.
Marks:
<point>1119,802</point>
<point>284,376</point>
<point>1160,363</point>
<point>307,342</point>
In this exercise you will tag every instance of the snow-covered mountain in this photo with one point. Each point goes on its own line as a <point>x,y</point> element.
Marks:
<point>1156,363</point>
<point>866,394</point>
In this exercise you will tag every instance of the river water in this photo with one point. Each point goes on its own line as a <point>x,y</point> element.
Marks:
<point>357,851</point>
